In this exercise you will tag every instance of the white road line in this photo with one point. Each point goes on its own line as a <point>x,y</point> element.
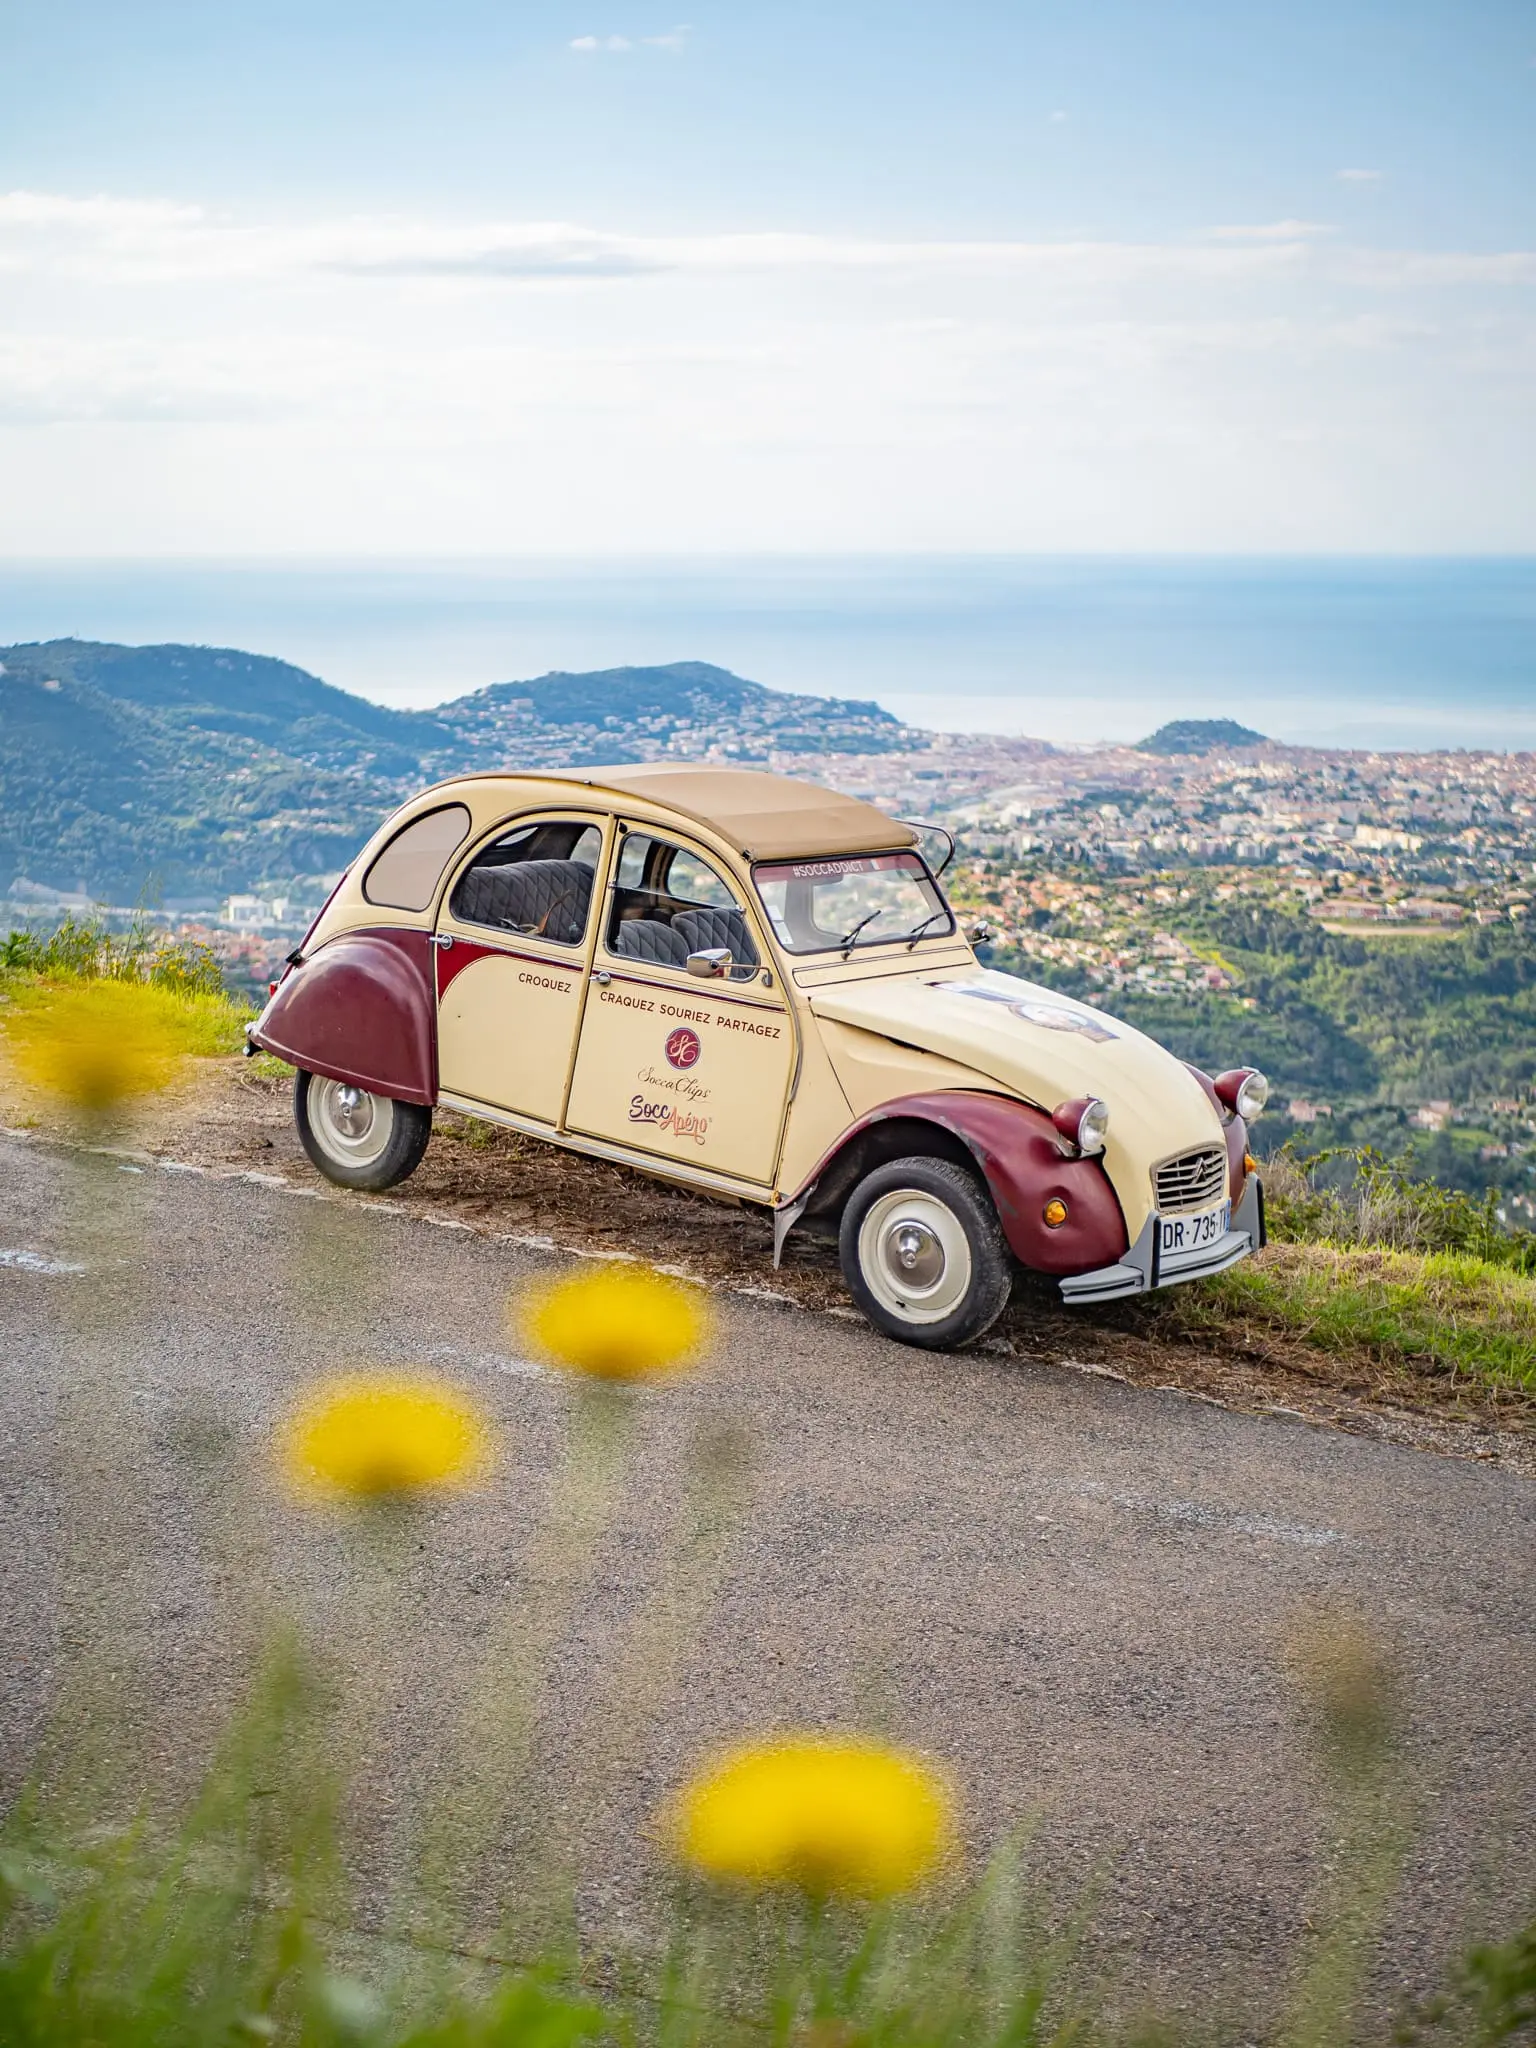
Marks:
<point>1201,1514</point>
<point>486,1361</point>
<point>34,1262</point>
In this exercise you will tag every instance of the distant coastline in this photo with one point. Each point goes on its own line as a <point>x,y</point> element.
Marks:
<point>1381,652</point>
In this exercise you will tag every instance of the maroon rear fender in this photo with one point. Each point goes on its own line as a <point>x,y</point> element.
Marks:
<point>362,1009</point>
<point>1016,1149</point>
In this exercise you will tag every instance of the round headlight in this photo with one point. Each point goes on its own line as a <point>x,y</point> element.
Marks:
<point>1093,1127</point>
<point>1244,1091</point>
<point>1252,1096</point>
<point>1082,1124</point>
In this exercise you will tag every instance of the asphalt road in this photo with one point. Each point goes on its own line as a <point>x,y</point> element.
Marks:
<point>1075,1593</point>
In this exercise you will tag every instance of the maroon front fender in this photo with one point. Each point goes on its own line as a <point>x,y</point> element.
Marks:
<point>1016,1149</point>
<point>363,1009</point>
<point>1236,1135</point>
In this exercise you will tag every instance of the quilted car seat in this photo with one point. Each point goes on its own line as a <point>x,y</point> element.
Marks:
<point>702,929</point>
<point>647,938</point>
<point>547,899</point>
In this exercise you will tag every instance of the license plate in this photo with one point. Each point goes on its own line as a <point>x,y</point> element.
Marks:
<point>1195,1233</point>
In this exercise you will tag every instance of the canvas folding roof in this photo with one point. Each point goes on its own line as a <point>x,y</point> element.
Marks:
<point>765,817</point>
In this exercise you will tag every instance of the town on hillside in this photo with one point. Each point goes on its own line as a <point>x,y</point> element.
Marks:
<point>1358,923</point>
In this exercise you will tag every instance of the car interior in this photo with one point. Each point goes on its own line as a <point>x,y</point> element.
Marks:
<point>668,903</point>
<point>536,881</point>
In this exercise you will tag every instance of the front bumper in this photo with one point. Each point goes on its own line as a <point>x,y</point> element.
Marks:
<point>1141,1267</point>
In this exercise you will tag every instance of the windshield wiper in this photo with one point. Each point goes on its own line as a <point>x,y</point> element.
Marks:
<point>917,931</point>
<point>846,941</point>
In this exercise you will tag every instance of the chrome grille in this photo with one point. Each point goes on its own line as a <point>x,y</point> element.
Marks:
<point>1195,1180</point>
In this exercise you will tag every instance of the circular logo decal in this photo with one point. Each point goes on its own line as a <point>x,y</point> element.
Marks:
<point>683,1047</point>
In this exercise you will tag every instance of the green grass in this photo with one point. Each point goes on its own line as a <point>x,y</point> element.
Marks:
<point>1352,1195</point>
<point>205,1026</point>
<point>182,988</point>
<point>83,949</point>
<point>1384,1273</point>
<point>1448,1314</point>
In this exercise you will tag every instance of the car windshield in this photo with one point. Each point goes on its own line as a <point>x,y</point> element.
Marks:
<point>832,905</point>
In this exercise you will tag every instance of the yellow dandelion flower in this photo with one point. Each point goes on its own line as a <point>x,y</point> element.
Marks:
<point>827,1816</point>
<point>618,1323</point>
<point>97,1045</point>
<point>383,1437</point>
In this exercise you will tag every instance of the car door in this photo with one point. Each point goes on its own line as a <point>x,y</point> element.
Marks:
<point>512,943</point>
<point>696,1070</point>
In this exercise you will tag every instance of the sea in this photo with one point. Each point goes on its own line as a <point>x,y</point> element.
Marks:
<point>1343,652</point>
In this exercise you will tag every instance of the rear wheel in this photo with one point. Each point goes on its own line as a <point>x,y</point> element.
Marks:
<point>356,1138</point>
<point>923,1253</point>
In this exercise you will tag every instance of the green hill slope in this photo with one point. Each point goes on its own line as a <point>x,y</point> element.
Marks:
<point>166,774</point>
<point>131,806</point>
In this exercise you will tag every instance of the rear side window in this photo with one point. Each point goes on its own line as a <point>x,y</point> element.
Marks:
<point>536,881</point>
<point>406,874</point>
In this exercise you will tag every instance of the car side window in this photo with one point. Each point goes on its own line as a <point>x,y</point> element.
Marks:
<point>405,875</point>
<point>536,880</point>
<point>667,902</point>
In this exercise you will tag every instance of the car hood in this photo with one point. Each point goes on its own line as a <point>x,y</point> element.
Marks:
<point>1048,1049</point>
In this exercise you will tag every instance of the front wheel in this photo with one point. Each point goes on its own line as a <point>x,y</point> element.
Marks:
<point>923,1253</point>
<point>356,1138</point>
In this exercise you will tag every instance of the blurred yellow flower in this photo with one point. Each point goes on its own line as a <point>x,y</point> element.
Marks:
<point>96,1045</point>
<point>383,1436</point>
<point>827,1816</point>
<point>619,1323</point>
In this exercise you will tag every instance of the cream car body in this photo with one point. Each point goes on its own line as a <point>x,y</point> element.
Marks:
<point>628,963</point>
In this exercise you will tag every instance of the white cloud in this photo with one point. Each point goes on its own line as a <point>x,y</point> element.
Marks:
<point>674,39</point>
<point>601,43</point>
<point>56,209</point>
<point>1272,231</point>
<point>1059,114</point>
<point>471,384</point>
<point>108,241</point>
<point>1358,177</point>
<point>1400,268</point>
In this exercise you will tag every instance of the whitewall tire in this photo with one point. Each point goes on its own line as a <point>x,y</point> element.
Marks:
<point>923,1253</point>
<point>356,1138</point>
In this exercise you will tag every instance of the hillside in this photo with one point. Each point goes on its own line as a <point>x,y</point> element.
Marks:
<point>565,719</point>
<point>250,696</point>
<point>1200,736</point>
<point>175,774</point>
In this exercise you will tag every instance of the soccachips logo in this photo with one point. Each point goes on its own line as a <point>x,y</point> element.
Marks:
<point>683,1048</point>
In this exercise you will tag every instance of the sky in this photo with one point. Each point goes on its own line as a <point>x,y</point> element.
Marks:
<point>316,278</point>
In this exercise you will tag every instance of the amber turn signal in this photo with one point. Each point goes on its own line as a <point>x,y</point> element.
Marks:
<point>1055,1213</point>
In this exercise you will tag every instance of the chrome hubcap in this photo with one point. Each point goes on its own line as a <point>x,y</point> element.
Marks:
<point>353,1114</point>
<point>913,1254</point>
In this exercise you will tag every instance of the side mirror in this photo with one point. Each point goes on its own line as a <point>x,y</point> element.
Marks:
<point>981,933</point>
<point>711,963</point>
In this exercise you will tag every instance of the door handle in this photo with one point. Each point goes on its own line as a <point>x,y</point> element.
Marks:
<point>602,977</point>
<point>443,939</point>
